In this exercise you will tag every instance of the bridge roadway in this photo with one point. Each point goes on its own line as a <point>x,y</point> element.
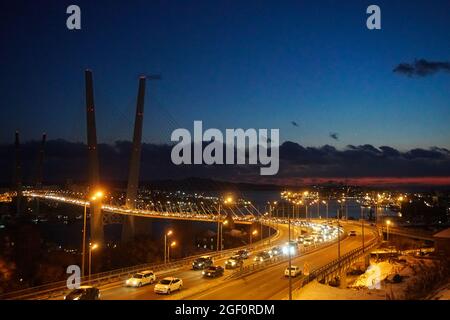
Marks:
<point>268,283</point>
<point>138,212</point>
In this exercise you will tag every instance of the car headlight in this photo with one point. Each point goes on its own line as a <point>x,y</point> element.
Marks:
<point>203,272</point>
<point>233,263</point>
<point>76,298</point>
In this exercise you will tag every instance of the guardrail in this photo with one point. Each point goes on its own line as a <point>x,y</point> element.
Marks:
<point>346,260</point>
<point>59,288</point>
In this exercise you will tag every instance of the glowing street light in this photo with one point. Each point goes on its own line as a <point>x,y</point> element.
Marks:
<point>166,234</point>
<point>388,223</point>
<point>91,248</point>
<point>98,195</point>
<point>172,244</point>
<point>254,233</point>
<point>220,223</point>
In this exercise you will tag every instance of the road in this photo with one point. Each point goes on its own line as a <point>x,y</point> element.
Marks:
<point>268,283</point>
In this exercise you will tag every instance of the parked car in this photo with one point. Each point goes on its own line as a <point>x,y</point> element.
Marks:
<point>262,256</point>
<point>293,272</point>
<point>84,293</point>
<point>213,271</point>
<point>202,263</point>
<point>244,254</point>
<point>233,262</point>
<point>168,285</point>
<point>141,278</point>
<point>352,233</point>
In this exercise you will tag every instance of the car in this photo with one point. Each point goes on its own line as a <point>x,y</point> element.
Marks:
<point>244,254</point>
<point>168,285</point>
<point>294,271</point>
<point>84,293</point>
<point>233,262</point>
<point>262,257</point>
<point>141,278</point>
<point>275,251</point>
<point>202,263</point>
<point>352,233</point>
<point>213,271</point>
<point>307,243</point>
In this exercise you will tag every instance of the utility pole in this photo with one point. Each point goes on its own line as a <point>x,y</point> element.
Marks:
<point>362,226</point>
<point>218,228</point>
<point>289,254</point>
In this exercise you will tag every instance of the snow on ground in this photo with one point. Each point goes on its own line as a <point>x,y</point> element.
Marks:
<point>376,283</point>
<point>442,294</point>
<point>376,272</point>
<point>317,291</point>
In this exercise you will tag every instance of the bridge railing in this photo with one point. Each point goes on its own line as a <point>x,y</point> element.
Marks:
<point>336,265</point>
<point>56,289</point>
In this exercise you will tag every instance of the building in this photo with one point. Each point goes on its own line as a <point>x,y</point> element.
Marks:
<point>442,243</point>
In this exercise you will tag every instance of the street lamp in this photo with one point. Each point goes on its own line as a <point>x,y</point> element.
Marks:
<point>91,248</point>
<point>96,196</point>
<point>388,223</point>
<point>254,233</point>
<point>172,244</point>
<point>362,226</point>
<point>220,223</point>
<point>326,203</point>
<point>289,254</point>
<point>167,234</point>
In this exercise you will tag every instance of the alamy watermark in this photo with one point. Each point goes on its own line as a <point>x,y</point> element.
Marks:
<point>256,146</point>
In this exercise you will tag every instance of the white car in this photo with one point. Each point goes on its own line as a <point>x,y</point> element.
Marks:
<point>168,285</point>
<point>140,279</point>
<point>295,271</point>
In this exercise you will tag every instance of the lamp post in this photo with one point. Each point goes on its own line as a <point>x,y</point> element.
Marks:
<point>224,223</point>
<point>166,234</point>
<point>388,223</point>
<point>220,223</point>
<point>362,226</point>
<point>91,248</point>
<point>97,195</point>
<point>289,255</point>
<point>339,238</point>
<point>172,244</point>
<point>305,194</point>
<point>326,204</point>
<point>318,208</point>
<point>253,233</point>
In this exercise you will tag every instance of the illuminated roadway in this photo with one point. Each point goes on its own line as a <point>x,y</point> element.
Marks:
<point>268,283</point>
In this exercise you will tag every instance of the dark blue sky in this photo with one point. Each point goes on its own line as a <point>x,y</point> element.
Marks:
<point>249,64</point>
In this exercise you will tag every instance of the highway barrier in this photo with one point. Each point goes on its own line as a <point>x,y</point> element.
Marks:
<point>344,262</point>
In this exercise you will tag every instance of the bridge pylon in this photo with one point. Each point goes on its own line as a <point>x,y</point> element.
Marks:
<point>96,219</point>
<point>129,229</point>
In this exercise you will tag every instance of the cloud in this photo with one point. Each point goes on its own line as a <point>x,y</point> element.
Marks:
<point>298,164</point>
<point>334,135</point>
<point>421,68</point>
